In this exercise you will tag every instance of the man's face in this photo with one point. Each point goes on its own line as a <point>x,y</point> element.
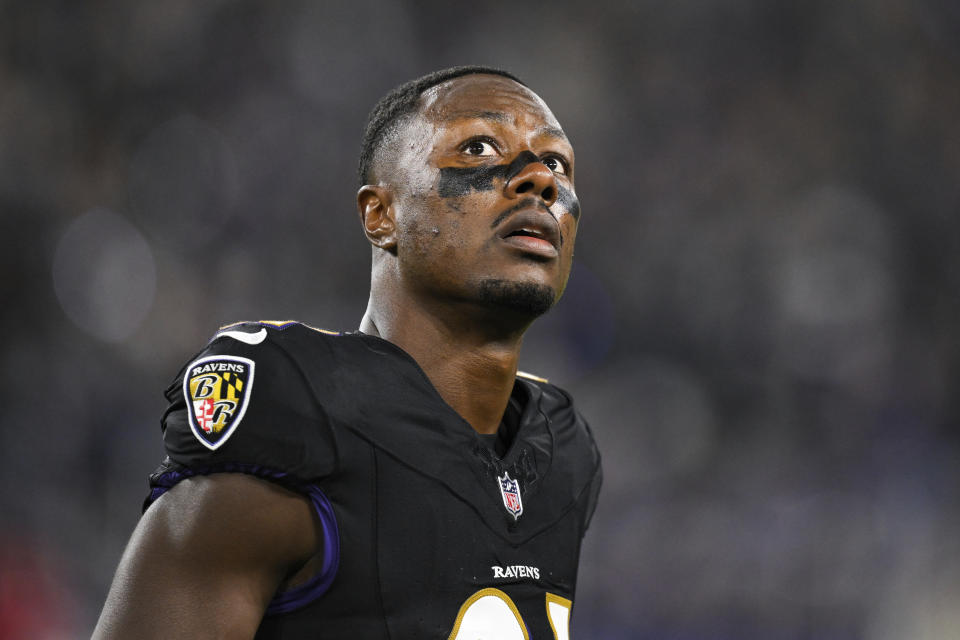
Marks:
<point>484,198</point>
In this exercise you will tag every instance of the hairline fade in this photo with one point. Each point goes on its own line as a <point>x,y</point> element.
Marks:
<point>400,102</point>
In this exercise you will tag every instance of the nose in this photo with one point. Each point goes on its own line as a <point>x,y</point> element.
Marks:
<point>533,179</point>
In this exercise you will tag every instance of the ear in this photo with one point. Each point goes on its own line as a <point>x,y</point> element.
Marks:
<point>375,204</point>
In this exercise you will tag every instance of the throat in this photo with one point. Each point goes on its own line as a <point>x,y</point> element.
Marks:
<point>472,372</point>
<point>475,383</point>
<point>499,441</point>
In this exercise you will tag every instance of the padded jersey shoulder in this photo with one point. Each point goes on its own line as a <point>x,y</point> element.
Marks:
<point>244,402</point>
<point>559,407</point>
<point>576,449</point>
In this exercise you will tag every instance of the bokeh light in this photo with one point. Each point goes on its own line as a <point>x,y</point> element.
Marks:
<point>183,182</point>
<point>104,275</point>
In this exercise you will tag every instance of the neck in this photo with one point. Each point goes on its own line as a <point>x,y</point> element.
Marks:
<point>471,362</point>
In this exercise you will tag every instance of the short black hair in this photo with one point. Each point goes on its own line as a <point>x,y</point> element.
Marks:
<point>402,101</point>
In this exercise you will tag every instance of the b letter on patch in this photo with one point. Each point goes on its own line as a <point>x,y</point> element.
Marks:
<point>217,391</point>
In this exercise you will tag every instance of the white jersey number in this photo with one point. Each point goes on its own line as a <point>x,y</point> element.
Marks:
<point>490,614</point>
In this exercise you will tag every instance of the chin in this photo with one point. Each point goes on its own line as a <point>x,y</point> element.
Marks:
<point>528,298</point>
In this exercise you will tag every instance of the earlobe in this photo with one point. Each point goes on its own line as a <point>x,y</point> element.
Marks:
<point>375,205</point>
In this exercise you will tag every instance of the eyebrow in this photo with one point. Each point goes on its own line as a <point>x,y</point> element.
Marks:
<point>496,116</point>
<point>499,116</point>
<point>552,131</point>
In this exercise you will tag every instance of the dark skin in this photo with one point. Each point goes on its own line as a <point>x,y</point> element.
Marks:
<point>183,576</point>
<point>432,253</point>
<point>473,210</point>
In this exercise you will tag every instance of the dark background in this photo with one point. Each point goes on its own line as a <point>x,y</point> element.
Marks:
<point>762,323</point>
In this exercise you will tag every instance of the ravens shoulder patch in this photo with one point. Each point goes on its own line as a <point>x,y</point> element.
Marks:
<point>217,391</point>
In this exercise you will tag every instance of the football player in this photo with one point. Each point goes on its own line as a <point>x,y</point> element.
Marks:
<point>403,480</point>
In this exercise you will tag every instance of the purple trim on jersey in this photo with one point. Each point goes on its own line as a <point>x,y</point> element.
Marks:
<point>315,587</point>
<point>309,591</point>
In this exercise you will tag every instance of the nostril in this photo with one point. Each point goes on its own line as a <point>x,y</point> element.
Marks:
<point>523,188</point>
<point>548,194</point>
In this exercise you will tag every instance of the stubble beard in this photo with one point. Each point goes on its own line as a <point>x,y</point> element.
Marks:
<point>525,298</point>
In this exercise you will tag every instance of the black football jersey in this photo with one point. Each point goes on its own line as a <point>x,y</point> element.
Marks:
<point>430,529</point>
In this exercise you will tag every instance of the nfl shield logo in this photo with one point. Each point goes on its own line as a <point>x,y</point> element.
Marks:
<point>510,489</point>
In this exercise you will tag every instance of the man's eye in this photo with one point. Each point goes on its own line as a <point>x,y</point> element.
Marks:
<point>479,148</point>
<point>555,164</point>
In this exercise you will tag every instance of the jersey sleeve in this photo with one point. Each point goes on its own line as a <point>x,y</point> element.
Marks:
<point>244,404</point>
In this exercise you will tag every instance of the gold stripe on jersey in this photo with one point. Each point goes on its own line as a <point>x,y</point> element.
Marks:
<point>325,331</point>
<point>559,615</point>
<point>530,376</point>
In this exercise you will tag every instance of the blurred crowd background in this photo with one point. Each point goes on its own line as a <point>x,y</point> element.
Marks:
<point>763,323</point>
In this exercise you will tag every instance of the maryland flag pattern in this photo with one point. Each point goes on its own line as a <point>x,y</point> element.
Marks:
<point>217,391</point>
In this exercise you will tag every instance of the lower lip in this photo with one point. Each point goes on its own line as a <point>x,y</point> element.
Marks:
<point>530,244</point>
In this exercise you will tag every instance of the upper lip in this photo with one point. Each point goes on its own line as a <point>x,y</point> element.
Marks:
<point>533,222</point>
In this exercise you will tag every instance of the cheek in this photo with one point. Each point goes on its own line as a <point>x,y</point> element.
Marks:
<point>434,233</point>
<point>567,202</point>
<point>416,234</point>
<point>568,228</point>
<point>442,222</point>
<point>463,221</point>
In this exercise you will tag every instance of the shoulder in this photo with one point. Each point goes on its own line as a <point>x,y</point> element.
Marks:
<point>576,456</point>
<point>278,348</point>
<point>244,363</point>
<point>555,401</point>
<point>265,338</point>
<point>285,335</point>
<point>557,405</point>
<point>571,429</point>
<point>296,343</point>
<point>248,398</point>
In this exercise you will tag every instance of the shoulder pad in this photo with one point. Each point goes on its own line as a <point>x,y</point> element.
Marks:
<point>245,399</point>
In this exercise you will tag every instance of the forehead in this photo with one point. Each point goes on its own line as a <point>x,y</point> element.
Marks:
<point>489,97</point>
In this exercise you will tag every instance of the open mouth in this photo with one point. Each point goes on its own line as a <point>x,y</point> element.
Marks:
<point>532,241</point>
<point>532,231</point>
